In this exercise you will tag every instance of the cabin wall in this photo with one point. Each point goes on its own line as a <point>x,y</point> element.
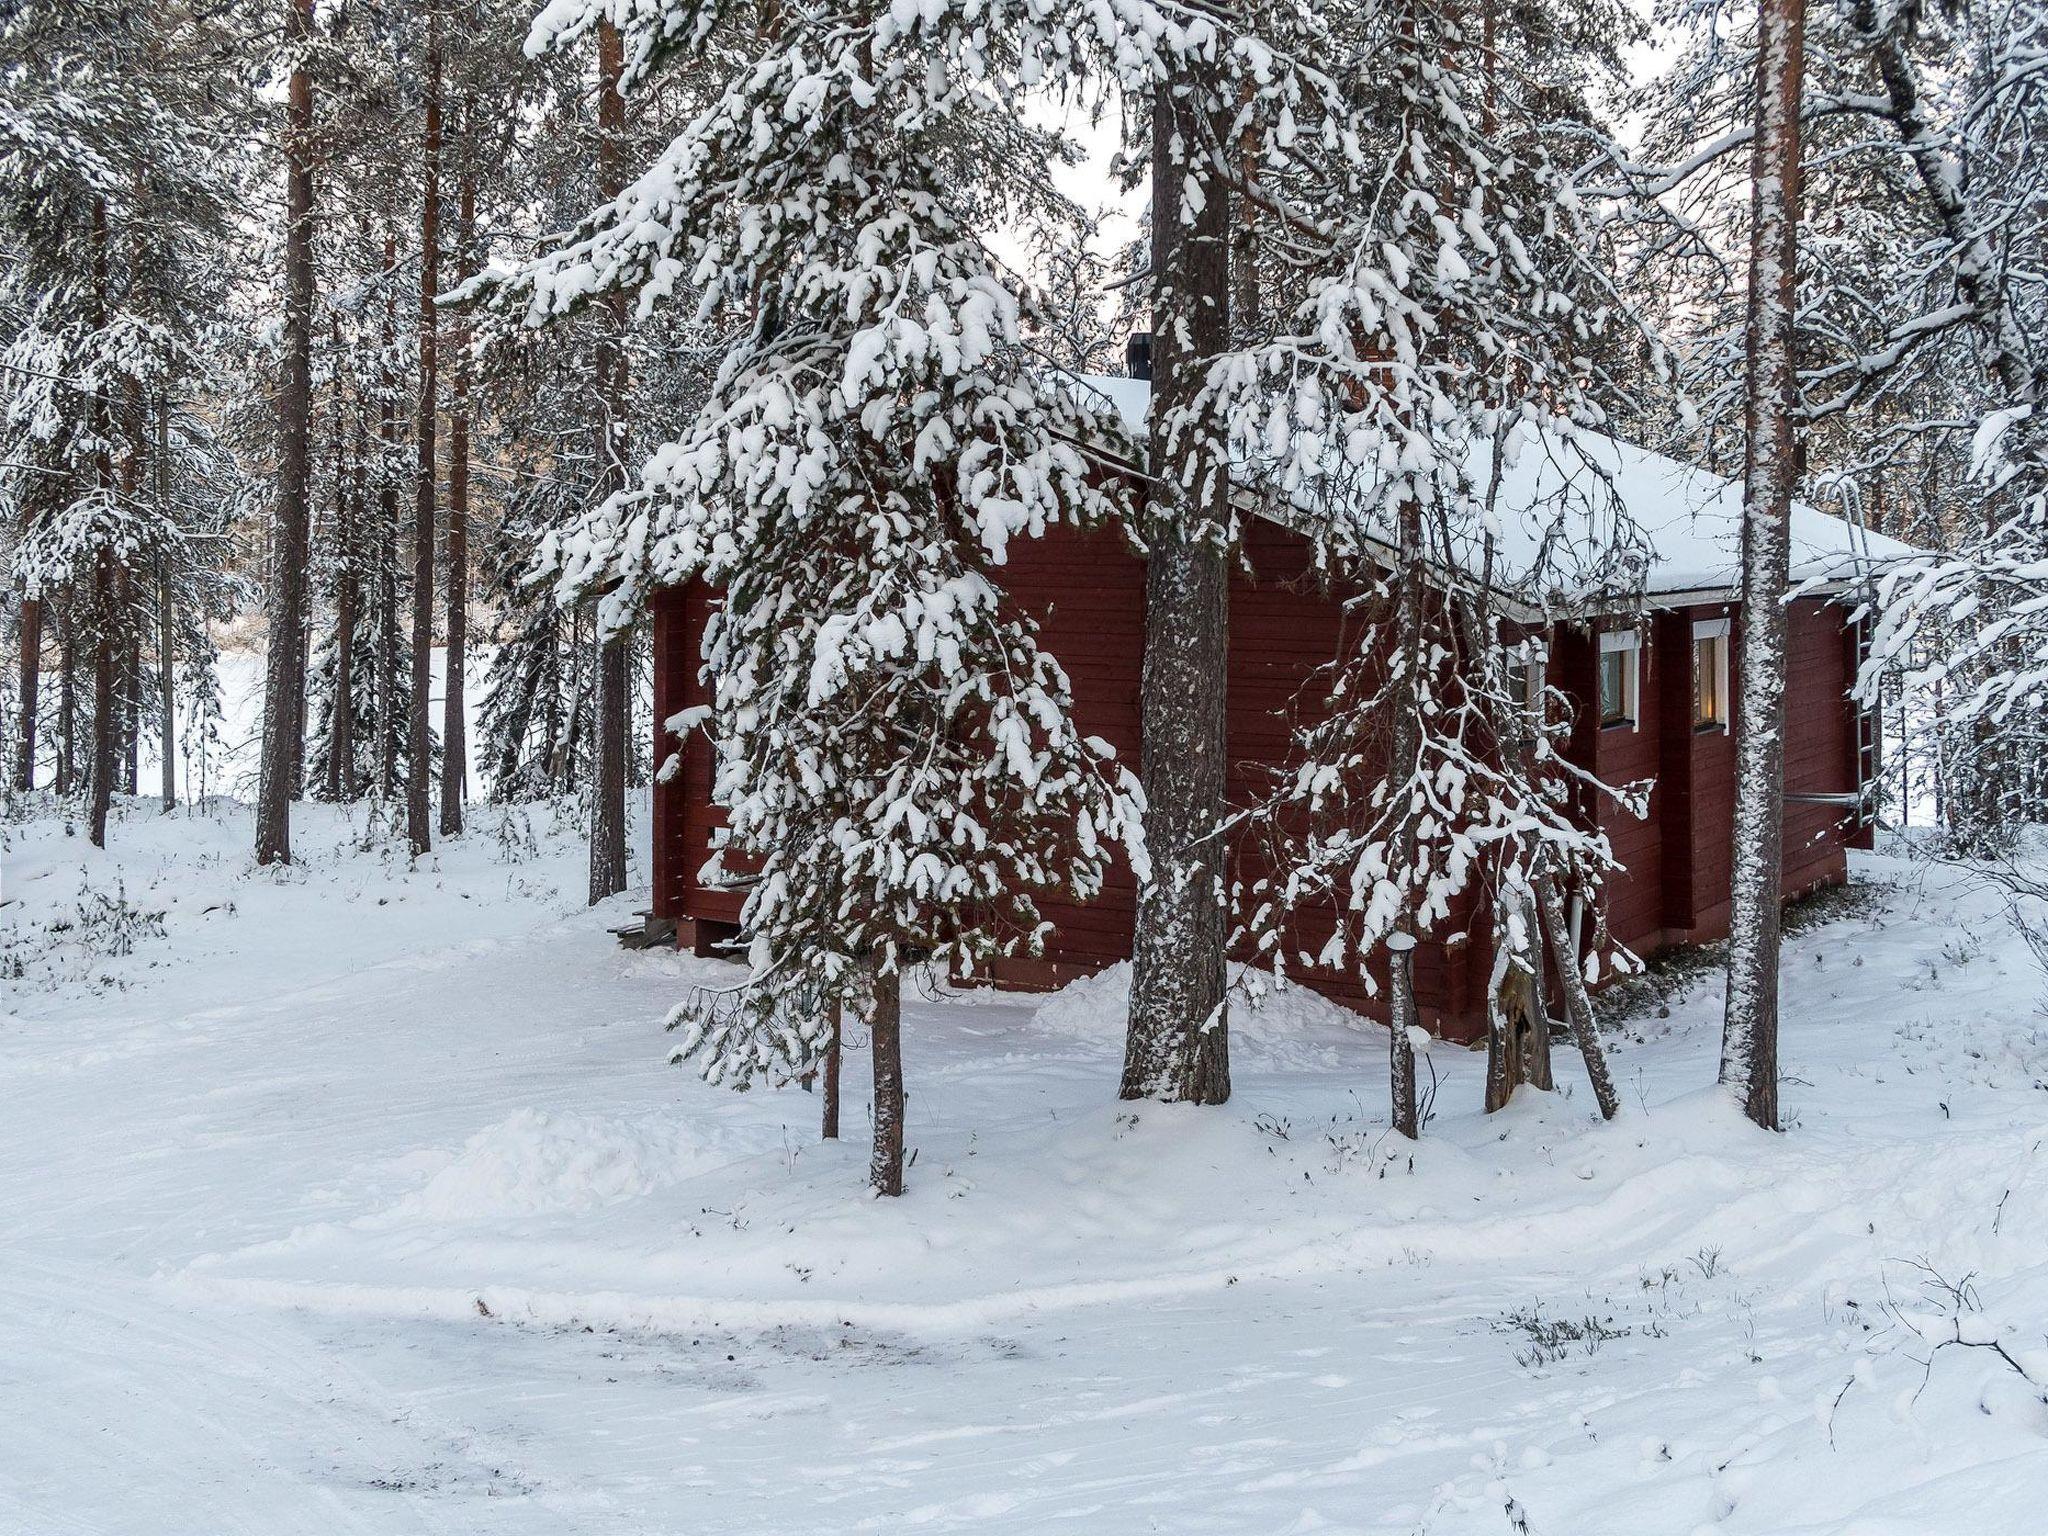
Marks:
<point>1087,592</point>
<point>686,822</point>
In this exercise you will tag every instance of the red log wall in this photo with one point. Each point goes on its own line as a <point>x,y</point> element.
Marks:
<point>1088,594</point>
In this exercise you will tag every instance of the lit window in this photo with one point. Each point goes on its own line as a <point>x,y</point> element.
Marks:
<point>1710,711</point>
<point>1620,676</point>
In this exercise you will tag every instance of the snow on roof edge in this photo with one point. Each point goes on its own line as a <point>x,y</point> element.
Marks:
<point>1690,516</point>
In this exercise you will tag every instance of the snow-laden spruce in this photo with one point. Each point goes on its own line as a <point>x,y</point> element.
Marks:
<point>895,754</point>
<point>110,206</point>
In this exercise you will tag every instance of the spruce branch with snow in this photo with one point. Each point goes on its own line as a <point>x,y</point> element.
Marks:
<point>896,756</point>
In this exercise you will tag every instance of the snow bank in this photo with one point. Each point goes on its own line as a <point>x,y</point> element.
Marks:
<point>535,1162</point>
<point>1284,1028</point>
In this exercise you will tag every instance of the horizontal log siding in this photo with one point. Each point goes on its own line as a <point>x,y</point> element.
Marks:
<point>1087,592</point>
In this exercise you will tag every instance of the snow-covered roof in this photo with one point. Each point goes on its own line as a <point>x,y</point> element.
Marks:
<point>1690,517</point>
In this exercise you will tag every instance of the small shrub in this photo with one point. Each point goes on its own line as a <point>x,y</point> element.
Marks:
<point>1551,1339</point>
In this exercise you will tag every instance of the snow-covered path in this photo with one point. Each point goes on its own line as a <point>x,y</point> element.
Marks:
<point>367,1205</point>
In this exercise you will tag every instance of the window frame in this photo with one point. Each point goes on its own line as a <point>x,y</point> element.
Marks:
<point>1715,637</point>
<point>1628,644</point>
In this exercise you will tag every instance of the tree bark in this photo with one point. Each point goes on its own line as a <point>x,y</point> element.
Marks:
<point>1578,1005</point>
<point>1177,1045</point>
<point>102,768</point>
<point>1749,1037</point>
<point>1402,1017</point>
<point>166,622</point>
<point>341,730</point>
<point>338,722</point>
<point>454,728</point>
<point>419,746</point>
<point>30,678</point>
<point>386,692</point>
<point>291,514</point>
<point>885,1029</point>
<point>1510,1006</point>
<point>1404,761</point>
<point>106,630</point>
<point>608,798</point>
<point>829,1127</point>
<point>67,698</point>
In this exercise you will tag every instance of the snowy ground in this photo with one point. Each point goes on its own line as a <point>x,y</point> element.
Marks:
<point>356,1198</point>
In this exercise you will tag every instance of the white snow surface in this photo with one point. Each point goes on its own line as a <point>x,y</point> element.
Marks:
<point>356,1198</point>
<point>1691,517</point>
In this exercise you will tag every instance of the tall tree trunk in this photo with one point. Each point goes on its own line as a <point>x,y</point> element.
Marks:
<point>1405,760</point>
<point>67,697</point>
<point>1749,1036</point>
<point>30,685</point>
<point>295,411</point>
<point>829,1121</point>
<point>106,630</point>
<point>387,541</point>
<point>454,728</point>
<point>885,1030</point>
<point>341,722</point>
<point>419,748</point>
<point>337,469</point>
<point>608,796</point>
<point>166,621</point>
<point>1177,1045</point>
<point>103,700</point>
<point>131,682</point>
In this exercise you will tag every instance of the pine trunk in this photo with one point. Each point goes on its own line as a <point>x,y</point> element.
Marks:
<point>419,749</point>
<point>341,731</point>
<point>829,1127</point>
<point>1405,759</point>
<point>294,411</point>
<point>1749,1040</point>
<point>338,725</point>
<point>454,731</point>
<point>1178,1044</point>
<point>885,1030</point>
<point>386,692</point>
<point>106,630</point>
<point>131,684</point>
<point>166,623</point>
<point>608,792</point>
<point>67,698</point>
<point>102,784</point>
<point>30,678</point>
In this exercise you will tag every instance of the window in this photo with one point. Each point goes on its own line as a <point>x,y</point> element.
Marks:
<point>1710,711</point>
<point>1620,676</point>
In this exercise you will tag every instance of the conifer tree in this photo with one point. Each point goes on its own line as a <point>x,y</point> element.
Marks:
<point>895,753</point>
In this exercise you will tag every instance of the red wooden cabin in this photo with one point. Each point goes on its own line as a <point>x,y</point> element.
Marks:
<point>1661,711</point>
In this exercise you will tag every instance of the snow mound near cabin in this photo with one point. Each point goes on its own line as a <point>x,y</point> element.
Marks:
<point>536,1162</point>
<point>1285,1027</point>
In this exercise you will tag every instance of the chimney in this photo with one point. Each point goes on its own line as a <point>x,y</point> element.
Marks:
<point>1138,355</point>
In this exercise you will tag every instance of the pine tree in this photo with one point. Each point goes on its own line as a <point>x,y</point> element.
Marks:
<point>1178,1042</point>
<point>1749,1049</point>
<point>896,756</point>
<point>112,212</point>
<point>1457,323</point>
<point>284,679</point>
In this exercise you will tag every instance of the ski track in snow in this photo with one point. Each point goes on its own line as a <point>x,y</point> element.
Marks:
<point>369,1206</point>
